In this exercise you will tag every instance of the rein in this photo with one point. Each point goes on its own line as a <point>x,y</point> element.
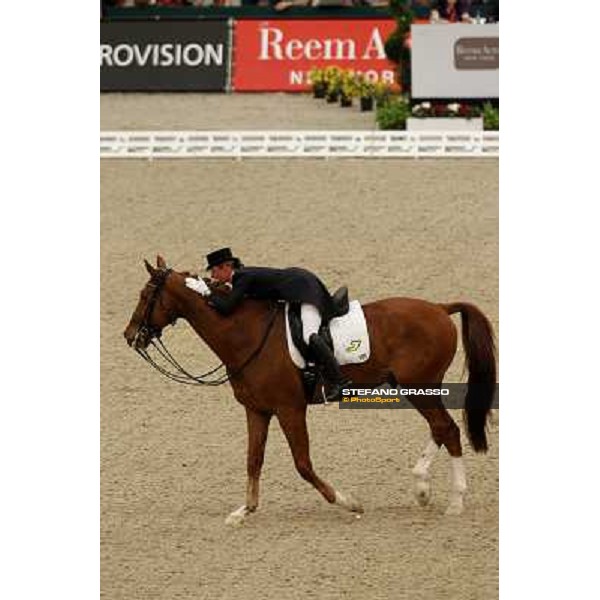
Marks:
<point>181,375</point>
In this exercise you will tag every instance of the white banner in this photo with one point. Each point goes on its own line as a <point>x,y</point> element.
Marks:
<point>455,60</point>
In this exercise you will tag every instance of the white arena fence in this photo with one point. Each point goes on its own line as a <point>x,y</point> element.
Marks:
<point>299,144</point>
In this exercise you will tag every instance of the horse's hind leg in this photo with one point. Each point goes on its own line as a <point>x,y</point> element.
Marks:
<point>293,424</point>
<point>444,431</point>
<point>422,484</point>
<point>258,428</point>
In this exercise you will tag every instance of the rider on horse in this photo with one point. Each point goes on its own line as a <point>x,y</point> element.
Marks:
<point>289,285</point>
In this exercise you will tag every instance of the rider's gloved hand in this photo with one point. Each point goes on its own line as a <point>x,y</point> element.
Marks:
<point>198,285</point>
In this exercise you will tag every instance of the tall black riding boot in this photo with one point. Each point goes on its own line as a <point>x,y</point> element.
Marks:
<point>329,366</point>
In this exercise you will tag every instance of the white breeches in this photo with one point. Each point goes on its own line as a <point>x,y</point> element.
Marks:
<point>311,320</point>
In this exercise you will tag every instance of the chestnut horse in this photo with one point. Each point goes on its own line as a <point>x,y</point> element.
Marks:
<point>412,342</point>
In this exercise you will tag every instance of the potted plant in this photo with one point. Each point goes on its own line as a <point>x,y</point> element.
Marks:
<point>334,84</point>
<point>319,84</point>
<point>382,92</point>
<point>491,117</point>
<point>394,113</point>
<point>347,89</point>
<point>366,93</point>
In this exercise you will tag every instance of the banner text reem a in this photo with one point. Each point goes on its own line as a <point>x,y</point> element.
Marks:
<point>278,55</point>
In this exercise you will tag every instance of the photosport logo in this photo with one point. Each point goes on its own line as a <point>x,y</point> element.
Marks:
<point>447,395</point>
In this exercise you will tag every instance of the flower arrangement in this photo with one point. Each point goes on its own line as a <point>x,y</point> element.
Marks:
<point>348,88</point>
<point>364,88</point>
<point>382,92</point>
<point>317,79</point>
<point>316,75</point>
<point>333,83</point>
<point>393,109</point>
<point>333,80</point>
<point>438,109</point>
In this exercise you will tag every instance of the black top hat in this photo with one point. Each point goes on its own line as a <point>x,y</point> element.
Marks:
<point>218,257</point>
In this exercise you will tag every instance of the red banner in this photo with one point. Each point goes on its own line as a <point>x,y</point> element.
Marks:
<point>278,55</point>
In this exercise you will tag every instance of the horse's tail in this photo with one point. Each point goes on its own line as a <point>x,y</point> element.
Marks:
<point>480,351</point>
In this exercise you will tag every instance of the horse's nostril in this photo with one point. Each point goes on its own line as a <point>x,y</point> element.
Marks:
<point>129,336</point>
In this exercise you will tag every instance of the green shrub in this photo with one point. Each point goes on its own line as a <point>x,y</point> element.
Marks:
<point>393,114</point>
<point>491,117</point>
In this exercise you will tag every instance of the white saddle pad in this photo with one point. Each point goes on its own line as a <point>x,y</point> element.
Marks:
<point>349,333</point>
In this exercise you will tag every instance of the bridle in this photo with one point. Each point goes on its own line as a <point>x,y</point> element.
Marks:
<point>181,375</point>
<point>156,283</point>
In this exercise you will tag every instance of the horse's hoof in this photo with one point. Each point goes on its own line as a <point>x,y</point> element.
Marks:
<point>422,489</point>
<point>349,502</point>
<point>356,506</point>
<point>455,507</point>
<point>237,517</point>
<point>422,492</point>
<point>423,497</point>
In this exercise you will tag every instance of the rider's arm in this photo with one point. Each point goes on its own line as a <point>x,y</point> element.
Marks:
<point>225,304</point>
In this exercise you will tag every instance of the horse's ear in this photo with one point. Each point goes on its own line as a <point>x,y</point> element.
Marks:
<point>161,263</point>
<point>149,267</point>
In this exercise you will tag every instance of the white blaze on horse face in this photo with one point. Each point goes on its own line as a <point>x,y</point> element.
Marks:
<point>421,469</point>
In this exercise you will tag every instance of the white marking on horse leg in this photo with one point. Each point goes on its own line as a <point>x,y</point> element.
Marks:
<point>422,487</point>
<point>348,502</point>
<point>421,469</point>
<point>458,485</point>
<point>237,517</point>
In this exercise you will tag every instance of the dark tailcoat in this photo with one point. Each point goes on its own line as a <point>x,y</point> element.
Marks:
<point>263,283</point>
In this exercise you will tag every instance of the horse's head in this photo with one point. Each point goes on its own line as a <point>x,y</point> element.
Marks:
<point>155,309</point>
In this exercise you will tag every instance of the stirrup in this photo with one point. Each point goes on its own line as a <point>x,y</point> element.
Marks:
<point>338,387</point>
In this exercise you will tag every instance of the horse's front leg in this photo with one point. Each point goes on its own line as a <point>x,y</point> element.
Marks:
<point>258,429</point>
<point>293,423</point>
